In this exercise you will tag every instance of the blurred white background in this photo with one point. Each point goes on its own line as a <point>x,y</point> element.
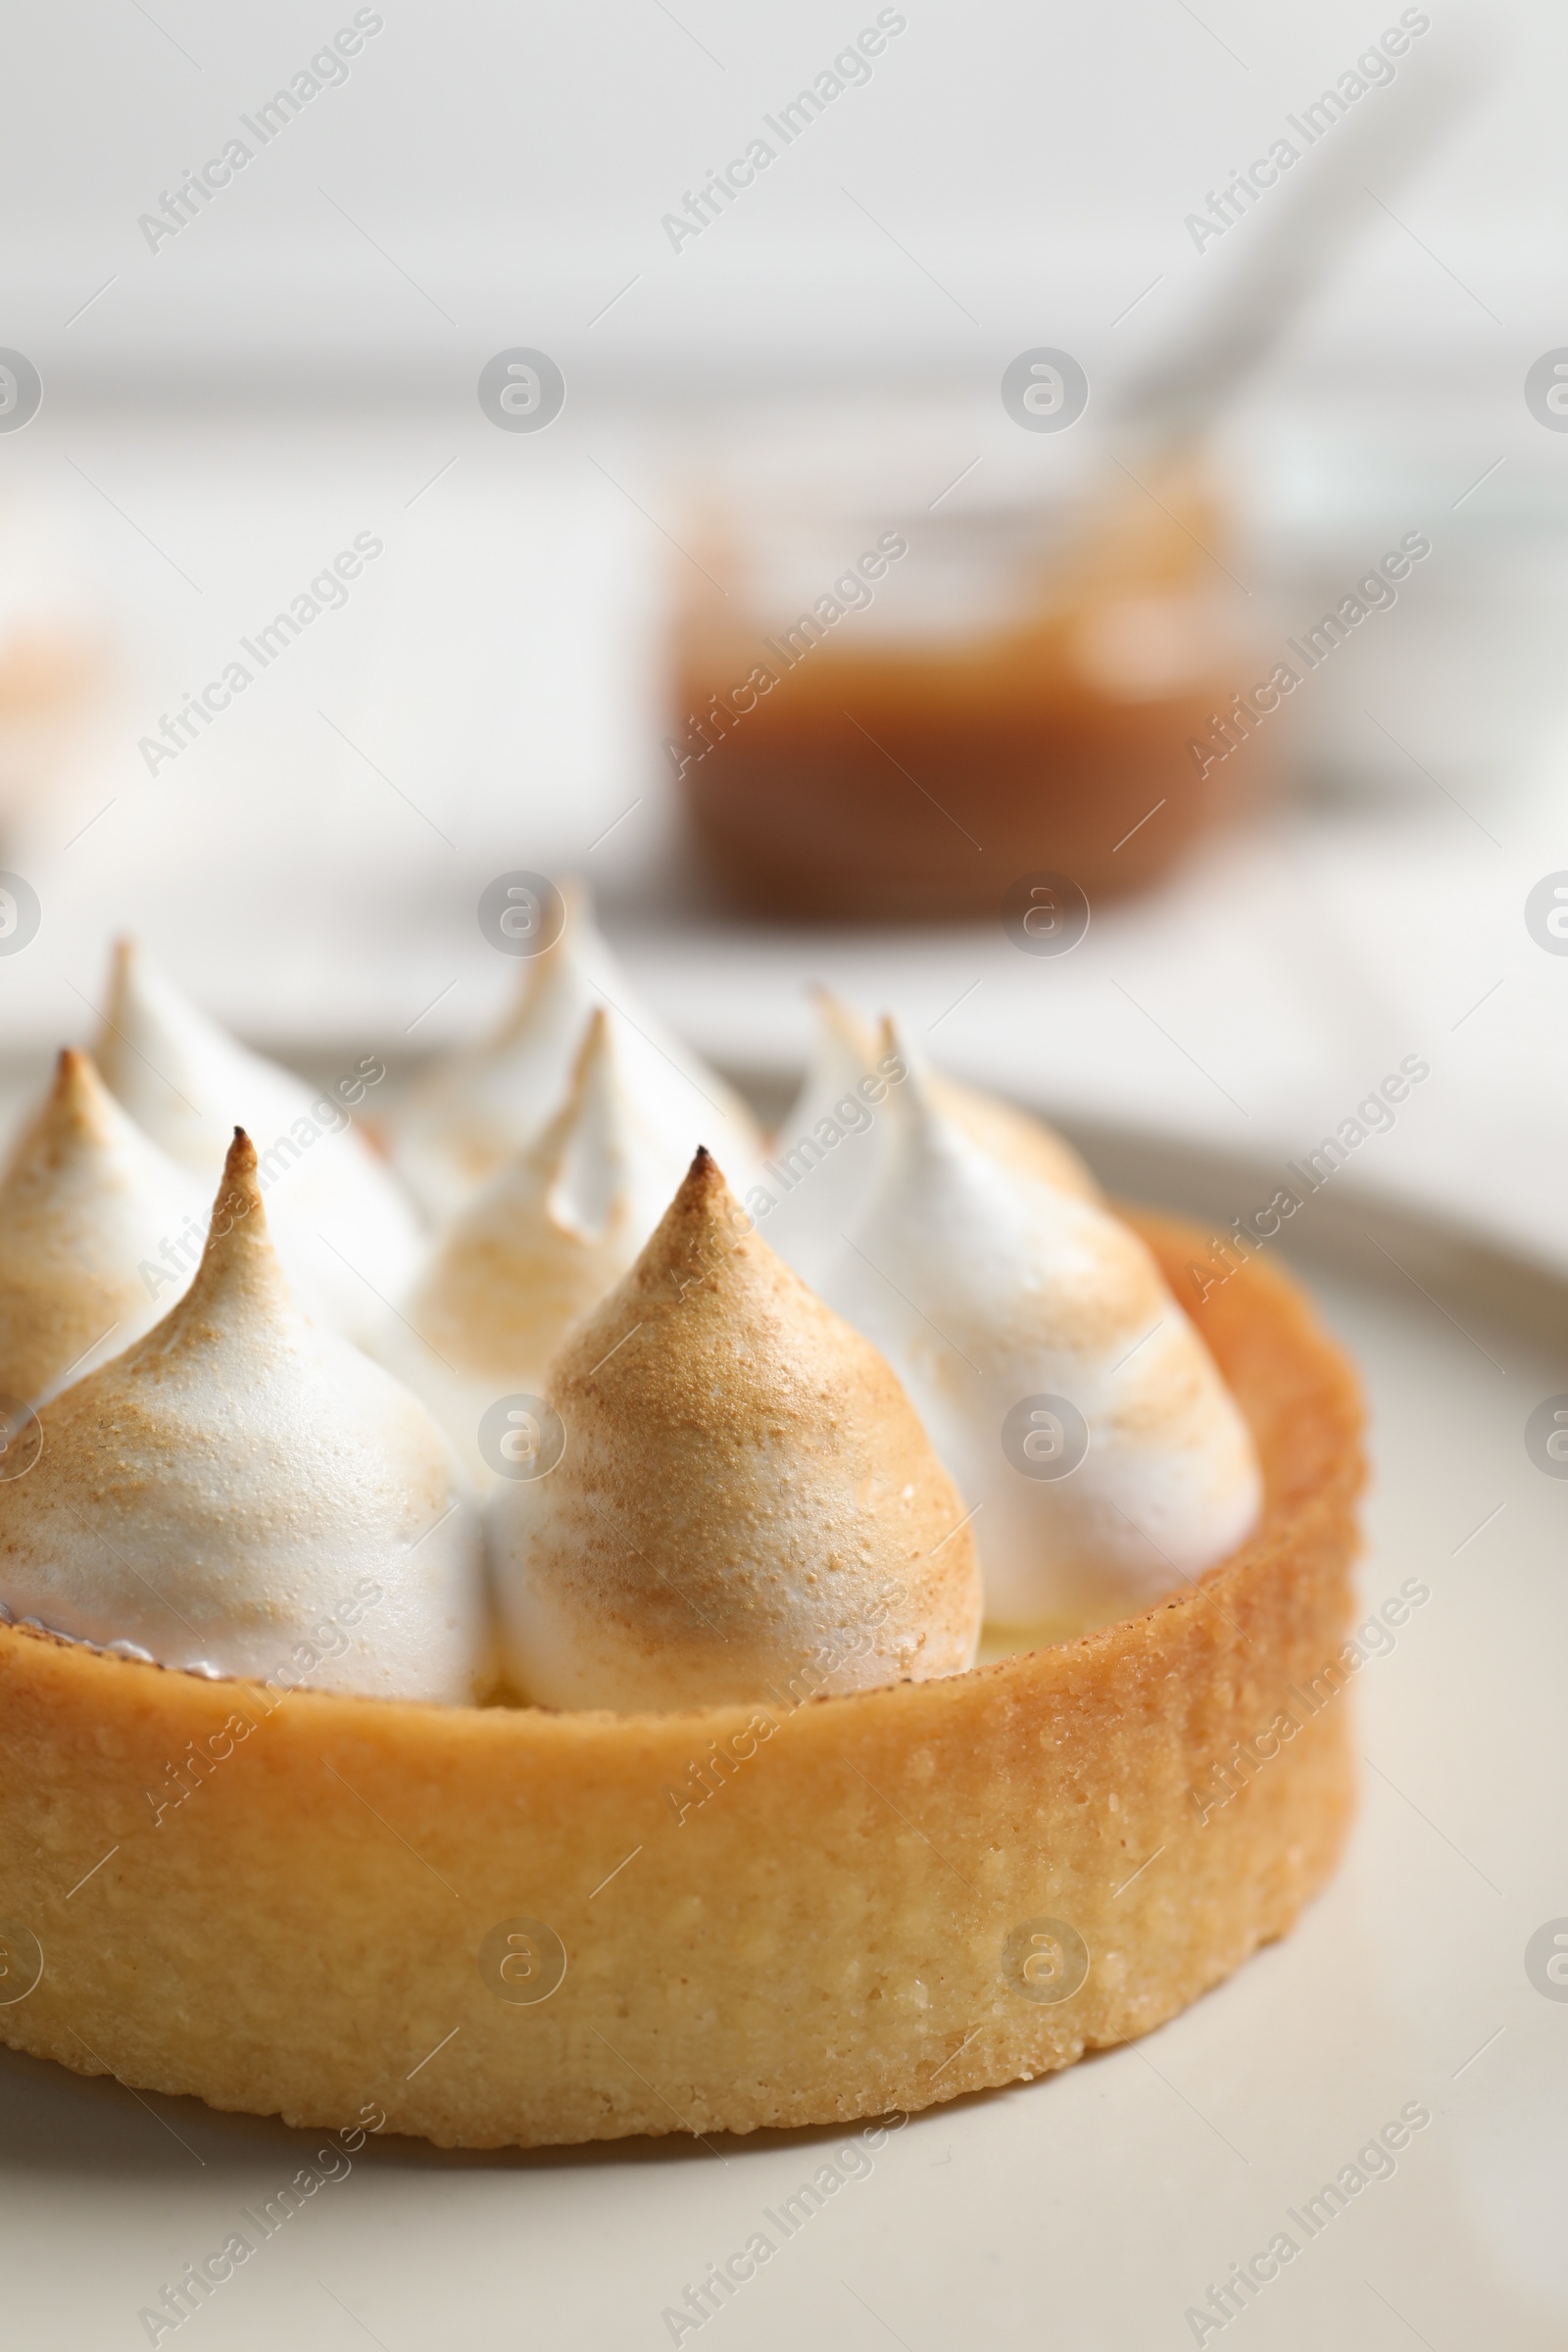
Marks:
<point>299,365</point>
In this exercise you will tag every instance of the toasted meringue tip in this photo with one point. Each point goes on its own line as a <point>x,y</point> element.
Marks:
<point>702,1199</point>
<point>78,1101</point>
<point>576,906</point>
<point>125,969</point>
<point>241,1173</point>
<point>593,1047</point>
<point>842,1019</point>
<point>551,1146</point>
<point>704,1186</point>
<point>75,1096</point>
<point>534,972</point>
<point>893,1044</point>
<point>76,1089</point>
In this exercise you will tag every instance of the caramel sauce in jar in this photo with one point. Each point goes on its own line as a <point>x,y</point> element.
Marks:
<point>836,767</point>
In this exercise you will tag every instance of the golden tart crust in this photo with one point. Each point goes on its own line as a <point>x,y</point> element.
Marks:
<point>846,1927</point>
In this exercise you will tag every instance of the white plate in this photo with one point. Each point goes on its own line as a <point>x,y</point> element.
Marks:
<point>1095,2209</point>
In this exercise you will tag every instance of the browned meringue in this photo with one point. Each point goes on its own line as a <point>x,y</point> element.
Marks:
<point>1079,1411</point>
<point>828,1151</point>
<point>244,1493</point>
<point>746,1502</point>
<point>343,1225</point>
<point>544,1242</point>
<point>1025,1144</point>
<point>99,1231</point>
<point>474,1108</point>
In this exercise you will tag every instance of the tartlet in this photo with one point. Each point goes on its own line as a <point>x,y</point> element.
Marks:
<point>515,1926</point>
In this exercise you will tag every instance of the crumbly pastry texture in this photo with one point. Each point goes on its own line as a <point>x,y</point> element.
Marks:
<point>825,1911</point>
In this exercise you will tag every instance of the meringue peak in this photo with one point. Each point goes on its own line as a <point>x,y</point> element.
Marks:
<point>995,1296</point>
<point>1012,1136</point>
<point>475,1108</point>
<point>582,1154</point>
<point>842,1026</point>
<point>829,1150</point>
<point>553,1232</point>
<point>93,1217</point>
<point>162,1059</point>
<point>242,1490</point>
<point>76,1120</point>
<point>544,975</point>
<point>744,1494</point>
<point>77,1110</point>
<point>239,1260</point>
<point>703,1212</point>
<point>703,1237</point>
<point>336,1207</point>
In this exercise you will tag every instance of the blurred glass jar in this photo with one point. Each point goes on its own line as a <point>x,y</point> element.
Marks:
<point>890,707</point>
